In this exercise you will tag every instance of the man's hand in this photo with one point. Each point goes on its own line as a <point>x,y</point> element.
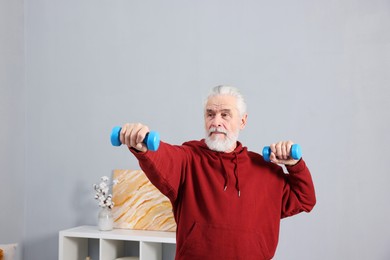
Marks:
<point>280,153</point>
<point>133,134</point>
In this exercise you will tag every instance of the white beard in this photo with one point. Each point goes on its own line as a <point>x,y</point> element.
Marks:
<point>221,145</point>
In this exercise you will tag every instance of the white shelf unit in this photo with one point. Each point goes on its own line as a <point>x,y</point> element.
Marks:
<point>73,243</point>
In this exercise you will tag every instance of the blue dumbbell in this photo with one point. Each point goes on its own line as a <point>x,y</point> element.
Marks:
<point>296,152</point>
<point>152,139</point>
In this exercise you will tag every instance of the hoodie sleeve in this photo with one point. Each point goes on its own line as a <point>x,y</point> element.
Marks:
<point>298,193</point>
<point>164,167</point>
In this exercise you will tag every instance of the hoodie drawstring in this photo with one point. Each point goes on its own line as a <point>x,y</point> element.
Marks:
<point>236,174</point>
<point>226,175</point>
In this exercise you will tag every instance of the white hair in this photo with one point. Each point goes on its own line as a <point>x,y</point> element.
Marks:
<point>231,91</point>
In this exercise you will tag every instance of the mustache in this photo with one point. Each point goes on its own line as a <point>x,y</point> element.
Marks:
<point>217,129</point>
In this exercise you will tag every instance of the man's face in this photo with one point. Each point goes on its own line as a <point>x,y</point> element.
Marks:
<point>223,123</point>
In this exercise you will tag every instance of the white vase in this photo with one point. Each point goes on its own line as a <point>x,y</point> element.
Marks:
<point>105,219</point>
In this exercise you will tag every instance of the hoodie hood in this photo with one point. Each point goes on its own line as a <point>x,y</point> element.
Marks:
<point>222,159</point>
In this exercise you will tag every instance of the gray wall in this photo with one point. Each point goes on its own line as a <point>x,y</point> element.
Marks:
<point>12,130</point>
<point>316,72</point>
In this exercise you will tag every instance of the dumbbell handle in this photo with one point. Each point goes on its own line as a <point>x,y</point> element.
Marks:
<point>152,139</point>
<point>295,152</point>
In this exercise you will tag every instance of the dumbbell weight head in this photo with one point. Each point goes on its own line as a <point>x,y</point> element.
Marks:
<point>295,152</point>
<point>115,141</point>
<point>152,139</point>
<point>266,153</point>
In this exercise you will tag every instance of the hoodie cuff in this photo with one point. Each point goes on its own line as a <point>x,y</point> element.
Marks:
<point>136,152</point>
<point>299,167</point>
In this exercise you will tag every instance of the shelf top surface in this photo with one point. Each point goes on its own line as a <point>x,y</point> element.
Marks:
<point>120,234</point>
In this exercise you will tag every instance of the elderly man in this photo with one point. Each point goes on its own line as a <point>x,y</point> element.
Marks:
<point>227,201</point>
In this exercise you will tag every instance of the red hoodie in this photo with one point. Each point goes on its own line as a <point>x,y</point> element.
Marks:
<point>226,205</point>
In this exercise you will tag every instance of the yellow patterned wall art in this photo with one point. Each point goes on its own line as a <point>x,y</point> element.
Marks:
<point>138,204</point>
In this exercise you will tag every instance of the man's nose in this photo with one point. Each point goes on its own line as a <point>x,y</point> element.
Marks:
<point>217,121</point>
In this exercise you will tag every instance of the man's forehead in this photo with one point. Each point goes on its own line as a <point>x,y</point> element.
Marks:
<point>219,106</point>
<point>221,103</point>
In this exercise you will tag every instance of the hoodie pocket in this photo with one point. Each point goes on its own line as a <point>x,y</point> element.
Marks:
<point>211,241</point>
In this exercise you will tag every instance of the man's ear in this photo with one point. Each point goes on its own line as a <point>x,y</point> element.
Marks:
<point>243,121</point>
